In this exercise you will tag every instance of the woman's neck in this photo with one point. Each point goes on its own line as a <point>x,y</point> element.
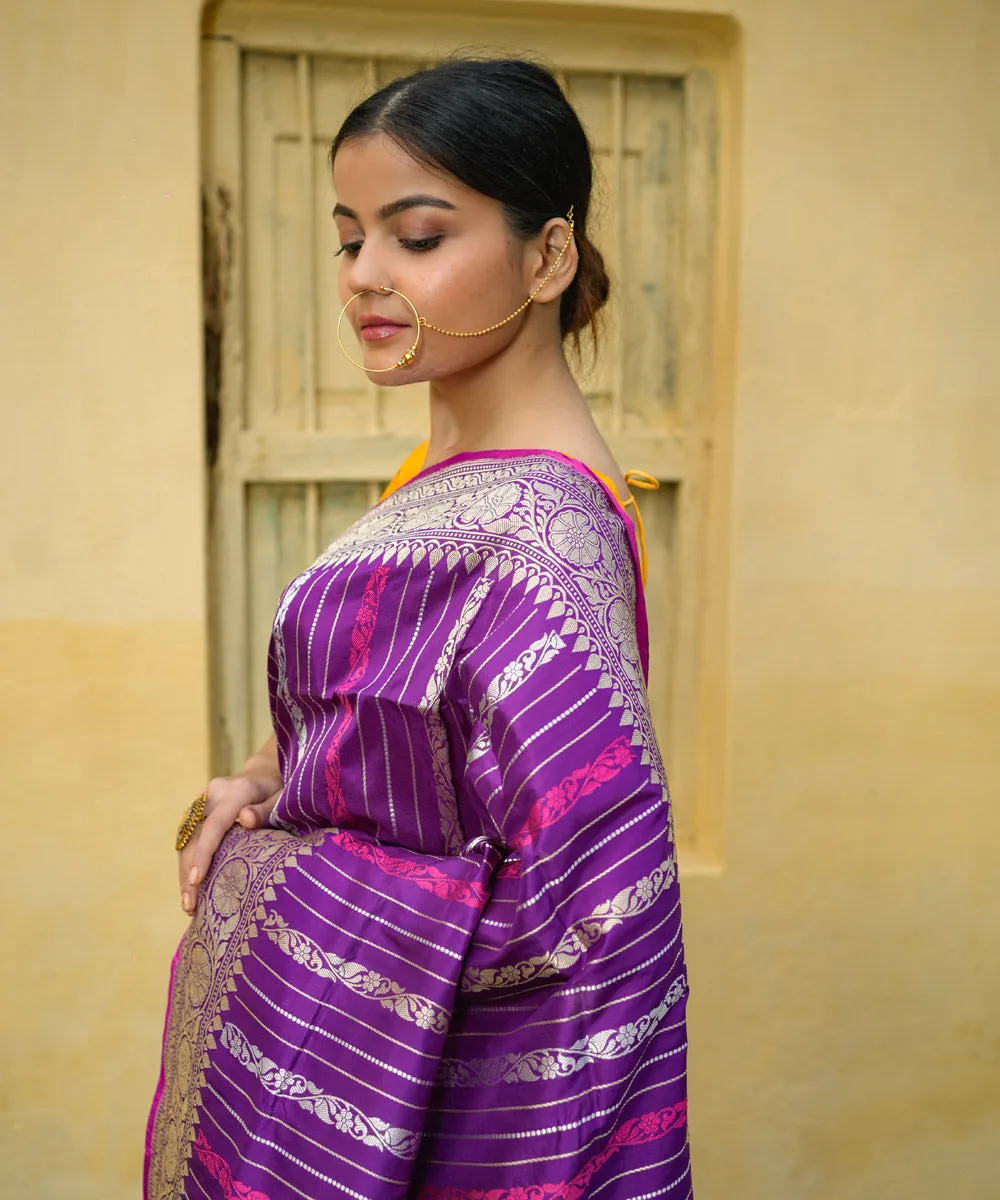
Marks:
<point>515,401</point>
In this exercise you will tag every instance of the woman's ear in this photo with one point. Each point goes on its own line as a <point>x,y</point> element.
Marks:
<point>554,260</point>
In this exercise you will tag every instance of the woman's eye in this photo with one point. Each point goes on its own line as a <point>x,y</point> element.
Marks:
<point>420,244</point>
<point>353,249</point>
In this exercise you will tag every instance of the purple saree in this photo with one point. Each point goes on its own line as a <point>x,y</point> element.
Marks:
<point>453,971</point>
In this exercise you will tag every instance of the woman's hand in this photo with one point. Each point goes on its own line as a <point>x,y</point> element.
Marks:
<point>247,798</point>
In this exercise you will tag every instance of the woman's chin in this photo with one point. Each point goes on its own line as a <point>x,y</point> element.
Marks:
<point>395,377</point>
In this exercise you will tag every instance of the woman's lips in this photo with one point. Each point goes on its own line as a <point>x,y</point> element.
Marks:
<point>375,333</point>
<point>375,327</point>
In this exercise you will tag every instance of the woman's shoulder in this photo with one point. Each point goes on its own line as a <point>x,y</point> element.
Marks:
<point>545,502</point>
<point>488,486</point>
<point>532,470</point>
<point>504,503</point>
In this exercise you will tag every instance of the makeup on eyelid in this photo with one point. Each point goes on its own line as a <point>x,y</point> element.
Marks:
<point>418,243</point>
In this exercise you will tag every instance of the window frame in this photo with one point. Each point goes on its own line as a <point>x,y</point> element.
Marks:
<point>694,455</point>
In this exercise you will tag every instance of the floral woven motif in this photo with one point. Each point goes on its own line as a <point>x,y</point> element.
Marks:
<point>453,968</point>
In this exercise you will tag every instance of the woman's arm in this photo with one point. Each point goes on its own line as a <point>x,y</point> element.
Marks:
<point>247,797</point>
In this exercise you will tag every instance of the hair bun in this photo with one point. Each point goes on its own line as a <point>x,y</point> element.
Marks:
<point>589,291</point>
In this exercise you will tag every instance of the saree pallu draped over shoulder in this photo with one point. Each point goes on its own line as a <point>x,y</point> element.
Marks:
<point>453,968</point>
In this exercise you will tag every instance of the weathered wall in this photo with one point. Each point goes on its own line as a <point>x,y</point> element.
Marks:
<point>845,1031</point>
<point>102,632</point>
<point>846,1039</point>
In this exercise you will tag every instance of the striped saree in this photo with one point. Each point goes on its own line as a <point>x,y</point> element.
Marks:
<point>453,969</point>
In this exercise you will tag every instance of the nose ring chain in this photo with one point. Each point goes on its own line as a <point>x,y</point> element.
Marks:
<point>421,322</point>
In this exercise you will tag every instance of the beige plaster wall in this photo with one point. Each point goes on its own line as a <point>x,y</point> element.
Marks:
<point>102,633</point>
<point>845,1029</point>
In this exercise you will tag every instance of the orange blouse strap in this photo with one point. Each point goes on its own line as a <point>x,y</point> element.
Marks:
<point>412,465</point>
<point>647,483</point>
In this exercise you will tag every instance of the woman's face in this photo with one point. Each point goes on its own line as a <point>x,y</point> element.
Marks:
<point>445,246</point>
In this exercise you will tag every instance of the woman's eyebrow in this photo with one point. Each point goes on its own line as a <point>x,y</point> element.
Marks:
<point>397,206</point>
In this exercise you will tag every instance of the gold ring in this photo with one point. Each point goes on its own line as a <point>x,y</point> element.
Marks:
<point>406,358</point>
<point>193,817</point>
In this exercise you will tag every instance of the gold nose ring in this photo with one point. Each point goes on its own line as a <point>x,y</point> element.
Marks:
<point>407,357</point>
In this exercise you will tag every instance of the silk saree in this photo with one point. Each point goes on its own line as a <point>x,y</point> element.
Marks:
<point>453,968</point>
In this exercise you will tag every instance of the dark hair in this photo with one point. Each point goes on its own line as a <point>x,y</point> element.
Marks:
<point>503,128</point>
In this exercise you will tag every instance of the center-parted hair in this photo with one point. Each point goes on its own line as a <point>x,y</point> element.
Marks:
<point>503,128</point>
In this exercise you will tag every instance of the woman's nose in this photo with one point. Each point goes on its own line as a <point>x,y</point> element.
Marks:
<point>363,273</point>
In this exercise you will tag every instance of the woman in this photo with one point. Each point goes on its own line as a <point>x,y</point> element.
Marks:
<point>442,957</point>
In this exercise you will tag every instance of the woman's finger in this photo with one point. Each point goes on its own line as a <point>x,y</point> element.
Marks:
<point>255,816</point>
<point>210,833</point>
<point>194,860</point>
<point>189,890</point>
<point>226,798</point>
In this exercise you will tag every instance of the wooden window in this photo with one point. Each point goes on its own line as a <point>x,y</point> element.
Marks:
<point>301,444</point>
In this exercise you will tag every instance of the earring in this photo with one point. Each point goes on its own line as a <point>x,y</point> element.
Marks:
<point>521,307</point>
<point>406,358</point>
